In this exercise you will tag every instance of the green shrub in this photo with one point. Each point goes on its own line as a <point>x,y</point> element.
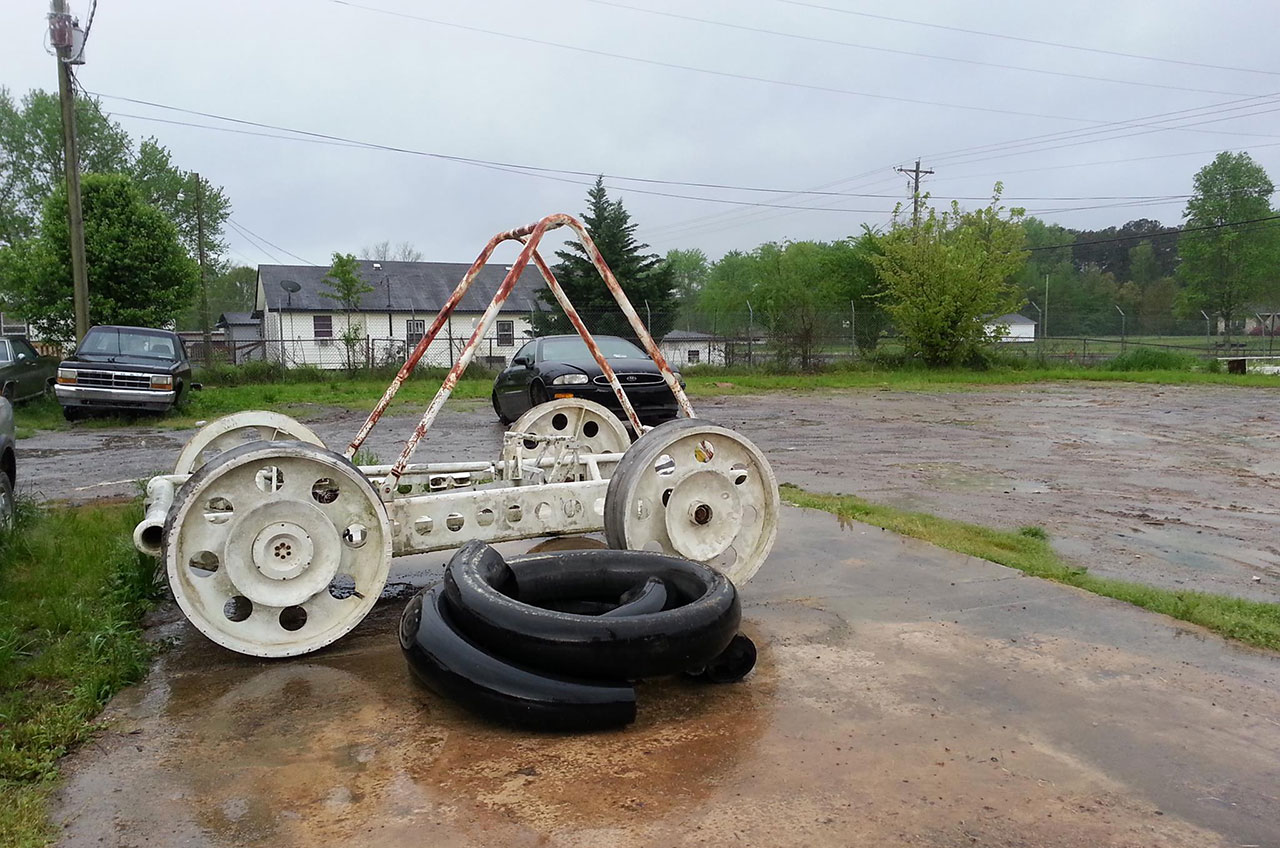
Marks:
<point>1151,359</point>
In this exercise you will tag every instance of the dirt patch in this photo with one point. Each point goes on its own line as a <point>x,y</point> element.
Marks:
<point>1175,486</point>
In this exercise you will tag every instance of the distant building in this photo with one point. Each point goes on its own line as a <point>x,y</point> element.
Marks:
<point>1012,328</point>
<point>298,324</point>
<point>683,348</point>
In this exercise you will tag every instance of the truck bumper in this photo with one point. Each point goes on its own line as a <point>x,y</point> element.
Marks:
<point>104,398</point>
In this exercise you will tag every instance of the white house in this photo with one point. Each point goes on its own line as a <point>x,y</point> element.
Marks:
<point>300,324</point>
<point>1012,328</point>
<point>683,348</point>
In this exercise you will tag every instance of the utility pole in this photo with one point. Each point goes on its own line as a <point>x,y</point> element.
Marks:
<point>61,31</point>
<point>915,174</point>
<point>206,332</point>
<point>1044,329</point>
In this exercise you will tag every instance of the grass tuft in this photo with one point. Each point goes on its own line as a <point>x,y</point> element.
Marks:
<point>72,593</point>
<point>1253,622</point>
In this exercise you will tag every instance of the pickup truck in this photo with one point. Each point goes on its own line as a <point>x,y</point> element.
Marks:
<point>123,369</point>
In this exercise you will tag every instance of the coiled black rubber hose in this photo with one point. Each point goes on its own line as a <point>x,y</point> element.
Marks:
<point>452,666</point>
<point>703,618</point>
<point>485,638</point>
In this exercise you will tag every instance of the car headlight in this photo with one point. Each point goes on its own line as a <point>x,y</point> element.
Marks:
<point>570,380</point>
<point>67,376</point>
<point>162,381</point>
<point>679,379</point>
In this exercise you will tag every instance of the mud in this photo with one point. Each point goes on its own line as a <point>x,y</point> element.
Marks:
<point>1175,486</point>
<point>904,696</point>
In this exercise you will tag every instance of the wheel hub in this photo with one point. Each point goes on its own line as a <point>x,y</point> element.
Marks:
<point>704,514</point>
<point>282,553</point>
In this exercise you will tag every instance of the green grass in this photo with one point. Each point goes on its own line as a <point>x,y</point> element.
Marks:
<point>1252,622</point>
<point>72,592</point>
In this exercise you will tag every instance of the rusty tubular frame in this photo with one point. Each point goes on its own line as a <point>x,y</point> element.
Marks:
<point>530,236</point>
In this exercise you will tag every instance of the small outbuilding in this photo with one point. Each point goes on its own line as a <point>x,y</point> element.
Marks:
<point>1012,328</point>
<point>683,348</point>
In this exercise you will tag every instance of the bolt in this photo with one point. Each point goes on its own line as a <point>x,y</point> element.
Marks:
<point>700,513</point>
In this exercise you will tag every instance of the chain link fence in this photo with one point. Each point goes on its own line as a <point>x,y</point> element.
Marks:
<point>791,339</point>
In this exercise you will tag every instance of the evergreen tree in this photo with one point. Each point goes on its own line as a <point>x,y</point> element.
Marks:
<point>645,277</point>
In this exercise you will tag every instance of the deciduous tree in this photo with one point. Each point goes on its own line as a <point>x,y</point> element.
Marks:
<point>947,277</point>
<point>1225,267</point>
<point>344,286</point>
<point>139,273</point>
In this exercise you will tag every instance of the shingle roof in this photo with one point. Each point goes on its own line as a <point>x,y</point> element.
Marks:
<point>1011,318</point>
<point>687,335</point>
<point>229,319</point>
<point>415,287</point>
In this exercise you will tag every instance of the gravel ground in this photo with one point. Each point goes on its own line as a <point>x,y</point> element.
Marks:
<point>1173,486</point>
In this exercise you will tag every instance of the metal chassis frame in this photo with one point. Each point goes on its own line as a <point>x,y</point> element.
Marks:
<point>530,236</point>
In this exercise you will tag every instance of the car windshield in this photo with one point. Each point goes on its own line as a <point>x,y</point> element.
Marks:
<point>110,341</point>
<point>575,349</point>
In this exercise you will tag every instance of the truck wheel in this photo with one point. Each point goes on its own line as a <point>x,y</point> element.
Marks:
<point>73,413</point>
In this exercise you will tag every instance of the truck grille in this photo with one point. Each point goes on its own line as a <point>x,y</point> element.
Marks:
<point>632,379</point>
<point>113,380</point>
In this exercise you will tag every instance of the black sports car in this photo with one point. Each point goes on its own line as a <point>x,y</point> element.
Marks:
<point>561,366</point>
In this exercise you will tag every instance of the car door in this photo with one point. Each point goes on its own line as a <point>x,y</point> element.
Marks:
<point>34,370</point>
<point>513,382</point>
<point>9,369</point>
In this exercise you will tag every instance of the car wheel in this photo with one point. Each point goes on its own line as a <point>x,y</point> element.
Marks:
<point>72,413</point>
<point>8,506</point>
<point>538,394</point>
<point>497,408</point>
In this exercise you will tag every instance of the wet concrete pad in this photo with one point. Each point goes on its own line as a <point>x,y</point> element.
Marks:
<point>905,695</point>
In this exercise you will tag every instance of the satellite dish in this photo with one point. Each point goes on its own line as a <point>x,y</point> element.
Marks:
<point>290,286</point>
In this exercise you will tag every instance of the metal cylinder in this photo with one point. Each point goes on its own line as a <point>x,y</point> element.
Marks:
<point>148,536</point>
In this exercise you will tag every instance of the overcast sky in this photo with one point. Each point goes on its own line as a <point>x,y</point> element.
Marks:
<point>444,87</point>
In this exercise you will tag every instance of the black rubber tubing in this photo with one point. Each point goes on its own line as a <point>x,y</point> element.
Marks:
<point>702,621</point>
<point>649,597</point>
<point>454,667</point>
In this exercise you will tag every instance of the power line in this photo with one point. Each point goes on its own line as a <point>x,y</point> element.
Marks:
<point>244,235</point>
<point>1179,233</point>
<point>878,49</point>
<point>273,244</point>
<point>1040,42</point>
<point>712,72</point>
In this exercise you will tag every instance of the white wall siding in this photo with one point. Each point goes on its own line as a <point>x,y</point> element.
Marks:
<point>385,338</point>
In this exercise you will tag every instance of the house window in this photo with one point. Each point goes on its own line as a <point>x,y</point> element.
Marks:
<point>694,356</point>
<point>414,331</point>
<point>506,333</point>
<point>322,326</point>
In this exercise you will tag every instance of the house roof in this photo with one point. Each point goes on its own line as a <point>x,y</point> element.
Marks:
<point>1010,318</point>
<point>237,319</point>
<point>415,287</point>
<point>687,336</point>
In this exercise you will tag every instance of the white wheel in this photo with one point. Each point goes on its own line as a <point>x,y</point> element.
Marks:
<point>277,549</point>
<point>591,425</point>
<point>697,490</point>
<point>238,428</point>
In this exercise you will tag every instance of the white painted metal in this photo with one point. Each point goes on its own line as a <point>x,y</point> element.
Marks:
<point>278,549</point>
<point>240,428</point>
<point>148,536</point>
<point>443,521</point>
<point>697,490</point>
<point>591,425</point>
